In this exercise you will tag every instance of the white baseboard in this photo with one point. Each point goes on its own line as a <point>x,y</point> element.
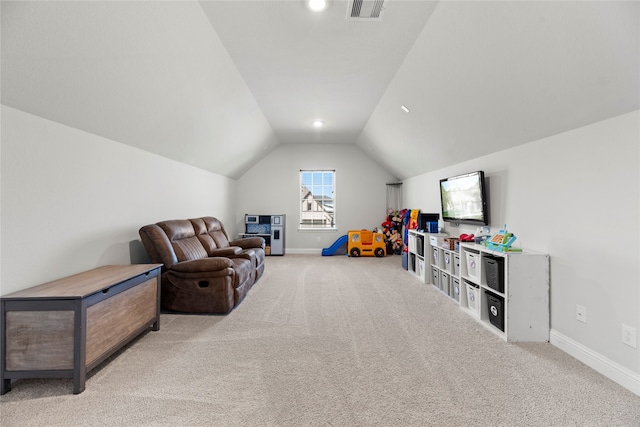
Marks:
<point>303,251</point>
<point>619,374</point>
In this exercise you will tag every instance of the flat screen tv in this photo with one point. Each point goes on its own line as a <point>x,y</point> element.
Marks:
<point>464,199</point>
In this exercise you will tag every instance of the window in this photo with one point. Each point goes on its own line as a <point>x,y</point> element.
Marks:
<point>317,199</point>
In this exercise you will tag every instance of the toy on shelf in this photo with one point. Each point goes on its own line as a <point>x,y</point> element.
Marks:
<point>366,243</point>
<point>502,241</point>
<point>481,234</point>
<point>467,237</point>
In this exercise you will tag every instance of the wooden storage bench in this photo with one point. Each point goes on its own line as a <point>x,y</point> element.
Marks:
<point>64,328</point>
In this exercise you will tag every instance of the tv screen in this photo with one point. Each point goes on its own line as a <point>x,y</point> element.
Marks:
<point>463,199</point>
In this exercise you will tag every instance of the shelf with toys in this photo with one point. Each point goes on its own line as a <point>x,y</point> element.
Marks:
<point>507,292</point>
<point>416,250</point>
<point>418,242</point>
<point>505,289</point>
<point>420,255</point>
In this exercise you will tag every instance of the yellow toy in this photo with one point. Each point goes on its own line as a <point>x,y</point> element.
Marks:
<point>366,243</point>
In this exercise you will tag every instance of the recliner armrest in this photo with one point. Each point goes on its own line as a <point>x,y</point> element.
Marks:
<point>203,265</point>
<point>225,252</point>
<point>249,242</point>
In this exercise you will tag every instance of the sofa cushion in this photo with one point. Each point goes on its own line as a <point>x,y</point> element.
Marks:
<point>206,240</point>
<point>158,246</point>
<point>183,239</point>
<point>177,229</point>
<point>215,229</point>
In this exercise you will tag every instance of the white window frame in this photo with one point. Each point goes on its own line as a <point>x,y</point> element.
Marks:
<point>324,219</point>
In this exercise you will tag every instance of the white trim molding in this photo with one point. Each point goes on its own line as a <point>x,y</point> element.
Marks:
<point>304,251</point>
<point>615,372</point>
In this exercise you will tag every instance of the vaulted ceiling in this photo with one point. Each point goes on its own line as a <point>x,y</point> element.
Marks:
<point>217,84</point>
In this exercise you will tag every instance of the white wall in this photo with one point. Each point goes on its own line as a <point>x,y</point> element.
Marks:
<point>487,75</point>
<point>272,186</point>
<point>72,201</point>
<point>575,196</point>
<point>150,74</point>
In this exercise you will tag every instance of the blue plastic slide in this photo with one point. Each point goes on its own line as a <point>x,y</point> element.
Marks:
<point>339,247</point>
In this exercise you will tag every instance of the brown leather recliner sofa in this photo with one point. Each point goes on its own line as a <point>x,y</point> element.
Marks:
<point>203,272</point>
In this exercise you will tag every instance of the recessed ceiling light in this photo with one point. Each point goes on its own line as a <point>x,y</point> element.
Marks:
<point>405,109</point>
<point>318,124</point>
<point>317,5</point>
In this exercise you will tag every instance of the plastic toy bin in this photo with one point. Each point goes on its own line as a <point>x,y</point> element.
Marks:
<point>455,288</point>
<point>495,309</point>
<point>419,245</point>
<point>435,273</point>
<point>494,270</point>
<point>456,264</point>
<point>444,282</point>
<point>412,243</point>
<point>473,297</point>
<point>473,260</point>
<point>447,258</point>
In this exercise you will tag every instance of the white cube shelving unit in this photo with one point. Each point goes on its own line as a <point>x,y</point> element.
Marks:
<point>521,308</point>
<point>517,312</point>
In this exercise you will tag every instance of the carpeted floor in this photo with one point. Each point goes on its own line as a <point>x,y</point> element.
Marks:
<point>329,341</point>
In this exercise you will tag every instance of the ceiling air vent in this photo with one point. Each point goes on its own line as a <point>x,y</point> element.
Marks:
<point>365,10</point>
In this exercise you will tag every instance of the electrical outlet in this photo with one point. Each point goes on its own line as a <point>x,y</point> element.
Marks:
<point>318,239</point>
<point>581,313</point>
<point>629,335</point>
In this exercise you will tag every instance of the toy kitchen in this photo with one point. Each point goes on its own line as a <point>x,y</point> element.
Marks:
<point>269,227</point>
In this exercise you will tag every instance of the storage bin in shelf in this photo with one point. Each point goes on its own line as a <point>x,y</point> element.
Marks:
<point>419,244</point>
<point>420,267</point>
<point>494,272</point>
<point>456,264</point>
<point>495,310</point>
<point>444,282</point>
<point>455,288</point>
<point>473,264</point>
<point>435,275</point>
<point>473,297</point>
<point>412,243</point>
<point>435,256</point>
<point>447,261</point>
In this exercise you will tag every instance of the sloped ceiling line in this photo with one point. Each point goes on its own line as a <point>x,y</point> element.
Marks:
<point>216,84</point>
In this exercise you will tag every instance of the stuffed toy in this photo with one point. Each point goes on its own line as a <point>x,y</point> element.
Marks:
<point>396,242</point>
<point>387,226</point>
<point>392,230</point>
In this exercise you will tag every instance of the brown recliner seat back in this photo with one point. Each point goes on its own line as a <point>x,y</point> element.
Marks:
<point>184,241</point>
<point>203,235</point>
<point>158,246</point>
<point>216,230</point>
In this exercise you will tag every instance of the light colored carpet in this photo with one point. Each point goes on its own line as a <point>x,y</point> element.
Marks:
<point>329,341</point>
